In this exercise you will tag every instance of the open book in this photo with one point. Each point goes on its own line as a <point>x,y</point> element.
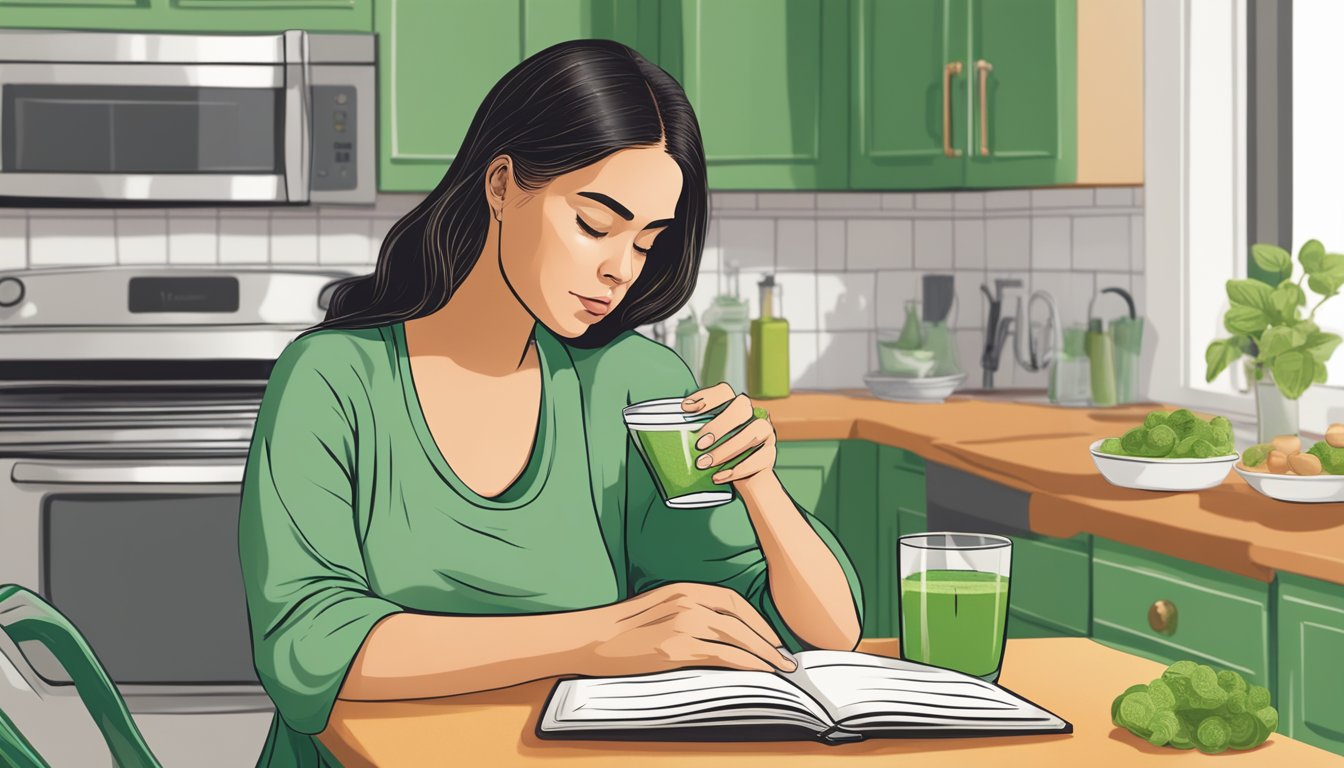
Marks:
<point>833,696</point>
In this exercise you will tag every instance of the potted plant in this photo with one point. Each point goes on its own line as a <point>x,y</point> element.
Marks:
<point>1270,335</point>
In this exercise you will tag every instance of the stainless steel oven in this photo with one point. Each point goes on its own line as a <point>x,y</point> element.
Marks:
<point>127,403</point>
<point>129,116</point>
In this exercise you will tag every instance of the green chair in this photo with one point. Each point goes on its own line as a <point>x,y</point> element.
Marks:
<point>86,724</point>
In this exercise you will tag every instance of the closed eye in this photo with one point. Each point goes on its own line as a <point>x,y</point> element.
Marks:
<point>584,226</point>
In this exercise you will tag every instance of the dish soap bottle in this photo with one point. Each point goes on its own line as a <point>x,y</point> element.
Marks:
<point>768,372</point>
<point>725,356</point>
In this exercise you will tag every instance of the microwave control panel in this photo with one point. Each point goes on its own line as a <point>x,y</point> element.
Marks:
<point>333,137</point>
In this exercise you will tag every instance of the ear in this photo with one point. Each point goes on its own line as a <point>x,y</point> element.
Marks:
<point>499,184</point>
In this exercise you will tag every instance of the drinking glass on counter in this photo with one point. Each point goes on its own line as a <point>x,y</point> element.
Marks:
<point>954,600</point>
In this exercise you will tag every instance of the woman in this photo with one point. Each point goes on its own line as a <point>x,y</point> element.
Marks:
<point>441,496</point>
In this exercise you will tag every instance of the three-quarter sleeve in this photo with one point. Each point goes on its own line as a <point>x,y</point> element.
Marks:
<point>714,545</point>
<point>308,597</point>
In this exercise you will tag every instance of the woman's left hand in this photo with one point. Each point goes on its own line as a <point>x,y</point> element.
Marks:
<point>759,434</point>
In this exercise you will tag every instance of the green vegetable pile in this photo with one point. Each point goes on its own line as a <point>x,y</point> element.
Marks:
<point>1179,434</point>
<point>1191,706</point>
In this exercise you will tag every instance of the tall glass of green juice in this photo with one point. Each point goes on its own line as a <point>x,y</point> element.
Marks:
<point>665,436</point>
<point>954,600</point>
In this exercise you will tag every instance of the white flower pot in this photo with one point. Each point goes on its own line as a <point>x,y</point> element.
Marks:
<point>1274,414</point>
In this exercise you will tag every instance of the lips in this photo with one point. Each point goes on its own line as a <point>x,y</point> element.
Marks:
<point>596,306</point>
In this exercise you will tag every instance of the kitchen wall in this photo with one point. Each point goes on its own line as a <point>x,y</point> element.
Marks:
<point>846,261</point>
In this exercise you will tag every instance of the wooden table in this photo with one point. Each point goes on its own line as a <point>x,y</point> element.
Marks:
<point>1074,677</point>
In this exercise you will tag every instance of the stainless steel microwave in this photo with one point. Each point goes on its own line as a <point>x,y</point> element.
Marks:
<point>129,116</point>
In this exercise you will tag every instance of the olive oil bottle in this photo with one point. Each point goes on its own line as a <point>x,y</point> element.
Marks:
<point>768,366</point>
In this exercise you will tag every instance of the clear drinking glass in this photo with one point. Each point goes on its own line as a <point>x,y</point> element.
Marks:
<point>954,600</point>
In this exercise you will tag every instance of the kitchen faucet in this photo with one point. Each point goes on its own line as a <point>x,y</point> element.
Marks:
<point>998,328</point>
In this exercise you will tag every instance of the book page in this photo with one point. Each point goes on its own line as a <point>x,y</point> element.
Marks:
<point>864,691</point>
<point>681,697</point>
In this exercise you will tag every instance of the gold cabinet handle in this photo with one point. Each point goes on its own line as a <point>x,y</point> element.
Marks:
<point>982,70</point>
<point>1162,617</point>
<point>952,68</point>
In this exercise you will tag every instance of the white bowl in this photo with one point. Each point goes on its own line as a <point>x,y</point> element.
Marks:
<point>1298,488</point>
<point>909,389</point>
<point>1147,474</point>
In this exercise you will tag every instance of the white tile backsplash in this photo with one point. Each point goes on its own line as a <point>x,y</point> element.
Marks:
<point>933,244</point>
<point>193,240</point>
<point>845,300</point>
<point>878,244</point>
<point>70,241</point>
<point>13,243</point>
<point>846,261</point>
<point>797,245</point>
<point>1008,243</point>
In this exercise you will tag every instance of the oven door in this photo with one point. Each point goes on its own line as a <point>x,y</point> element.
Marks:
<point>159,131</point>
<point>142,556</point>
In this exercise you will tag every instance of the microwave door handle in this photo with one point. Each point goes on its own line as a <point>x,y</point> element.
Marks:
<point>298,116</point>
<point>93,473</point>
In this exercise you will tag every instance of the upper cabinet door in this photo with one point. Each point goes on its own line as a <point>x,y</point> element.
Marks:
<point>204,16</point>
<point>439,58</point>
<point>767,79</point>
<point>1023,131</point>
<point>909,94</point>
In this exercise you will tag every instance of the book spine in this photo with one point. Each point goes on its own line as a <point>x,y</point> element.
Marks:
<point>837,735</point>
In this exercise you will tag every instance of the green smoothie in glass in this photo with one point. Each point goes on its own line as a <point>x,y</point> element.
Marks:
<point>665,437</point>
<point>954,600</point>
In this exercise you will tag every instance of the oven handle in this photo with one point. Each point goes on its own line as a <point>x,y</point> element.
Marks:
<point>82,473</point>
<point>298,116</point>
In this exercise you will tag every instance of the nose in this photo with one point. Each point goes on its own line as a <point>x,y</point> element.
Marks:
<point>618,268</point>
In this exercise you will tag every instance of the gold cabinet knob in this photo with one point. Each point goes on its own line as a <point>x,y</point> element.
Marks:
<point>1162,617</point>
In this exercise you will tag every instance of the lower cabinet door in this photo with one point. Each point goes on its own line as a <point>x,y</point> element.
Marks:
<point>1311,661</point>
<point>1050,593</point>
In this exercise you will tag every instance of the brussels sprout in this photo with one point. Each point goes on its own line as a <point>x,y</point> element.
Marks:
<point>1159,441</point>
<point>1133,441</point>
<point>1213,735</point>
<point>1332,459</point>
<point>1182,422</point>
<point>1112,446</point>
<point>1154,419</point>
<point>1257,697</point>
<point>1256,455</point>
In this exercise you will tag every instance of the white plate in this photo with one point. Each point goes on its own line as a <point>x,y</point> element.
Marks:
<point>909,389</point>
<point>1147,474</point>
<point>1304,489</point>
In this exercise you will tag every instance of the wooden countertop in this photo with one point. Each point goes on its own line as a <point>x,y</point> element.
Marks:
<point>1043,450</point>
<point>1074,677</point>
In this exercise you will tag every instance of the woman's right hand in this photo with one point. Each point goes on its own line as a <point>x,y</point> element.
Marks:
<point>681,625</point>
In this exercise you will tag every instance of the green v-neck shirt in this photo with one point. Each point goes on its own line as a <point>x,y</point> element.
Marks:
<point>350,513</point>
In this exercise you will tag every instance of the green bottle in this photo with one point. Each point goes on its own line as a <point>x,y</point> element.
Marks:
<point>768,367</point>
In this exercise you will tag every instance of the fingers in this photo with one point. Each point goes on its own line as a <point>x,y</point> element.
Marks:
<point>728,628</point>
<point>737,412</point>
<point>708,398</point>
<point>760,461</point>
<point>755,434</point>
<point>711,653</point>
<point>725,600</point>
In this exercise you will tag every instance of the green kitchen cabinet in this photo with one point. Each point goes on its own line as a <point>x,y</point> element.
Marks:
<point>1025,114</point>
<point>808,470</point>
<point>1310,696</point>
<point>768,81</point>
<point>858,524</point>
<point>901,510</point>
<point>204,16</point>
<point>1050,593</point>
<point>1167,609</point>
<point>438,60</point>
<point>920,117</point>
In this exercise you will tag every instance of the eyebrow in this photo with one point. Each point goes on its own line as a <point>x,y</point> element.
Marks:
<point>621,210</point>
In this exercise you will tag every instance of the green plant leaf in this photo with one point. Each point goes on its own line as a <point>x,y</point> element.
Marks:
<point>1247,320</point>
<point>1271,258</point>
<point>1310,254</point>
<point>1319,345</point>
<point>1278,339</point>
<point>1294,371</point>
<point>1321,373</point>
<point>1322,284</point>
<point>1286,299</point>
<point>1220,354</point>
<point>1250,293</point>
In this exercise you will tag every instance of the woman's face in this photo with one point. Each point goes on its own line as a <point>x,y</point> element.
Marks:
<point>571,250</point>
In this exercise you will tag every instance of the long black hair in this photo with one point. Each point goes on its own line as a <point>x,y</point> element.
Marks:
<point>562,109</point>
